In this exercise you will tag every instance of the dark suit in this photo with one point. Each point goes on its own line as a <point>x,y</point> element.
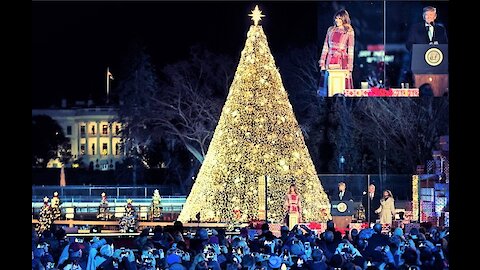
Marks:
<point>419,35</point>
<point>347,196</point>
<point>374,205</point>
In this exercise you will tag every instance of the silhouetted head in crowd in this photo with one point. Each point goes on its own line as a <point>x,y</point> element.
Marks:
<point>426,256</point>
<point>421,237</point>
<point>202,234</point>
<point>269,236</point>
<point>178,226</point>
<point>350,266</point>
<point>377,228</point>
<point>317,255</point>
<point>60,234</point>
<point>425,90</point>
<point>328,235</point>
<point>265,227</point>
<point>362,244</point>
<point>248,261</point>
<point>396,240</point>
<point>145,232</point>
<point>181,245</point>
<point>330,225</point>
<point>337,261</point>
<point>176,266</point>
<point>158,229</point>
<point>414,231</point>
<point>410,256</point>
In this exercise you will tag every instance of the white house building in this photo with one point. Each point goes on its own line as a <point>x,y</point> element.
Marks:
<point>94,134</point>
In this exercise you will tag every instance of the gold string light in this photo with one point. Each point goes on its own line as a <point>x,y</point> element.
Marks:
<point>415,201</point>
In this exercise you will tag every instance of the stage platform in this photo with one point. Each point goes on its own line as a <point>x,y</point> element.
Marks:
<point>380,92</point>
<point>141,224</point>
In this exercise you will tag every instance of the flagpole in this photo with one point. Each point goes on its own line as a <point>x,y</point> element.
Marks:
<point>108,83</point>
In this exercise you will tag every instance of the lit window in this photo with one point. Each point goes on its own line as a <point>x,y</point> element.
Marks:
<point>82,149</point>
<point>104,149</point>
<point>82,130</point>
<point>104,129</point>
<point>93,148</point>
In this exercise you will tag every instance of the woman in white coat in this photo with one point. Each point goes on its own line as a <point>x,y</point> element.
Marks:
<point>387,208</point>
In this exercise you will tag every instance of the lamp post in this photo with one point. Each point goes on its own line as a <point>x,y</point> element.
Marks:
<point>342,163</point>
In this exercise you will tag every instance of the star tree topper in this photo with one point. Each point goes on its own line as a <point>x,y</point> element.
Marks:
<point>256,15</point>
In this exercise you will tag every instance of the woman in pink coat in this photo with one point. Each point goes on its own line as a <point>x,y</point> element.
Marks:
<point>338,48</point>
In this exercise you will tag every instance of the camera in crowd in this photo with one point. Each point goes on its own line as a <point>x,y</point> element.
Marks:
<point>345,248</point>
<point>124,252</point>
<point>265,257</point>
<point>157,253</point>
<point>208,253</point>
<point>238,250</point>
<point>285,254</point>
<point>50,265</point>
<point>147,261</point>
<point>209,256</point>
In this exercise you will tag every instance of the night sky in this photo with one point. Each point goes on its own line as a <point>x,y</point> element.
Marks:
<point>73,43</point>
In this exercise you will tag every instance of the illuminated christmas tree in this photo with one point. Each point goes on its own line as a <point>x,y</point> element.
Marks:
<point>55,206</point>
<point>155,209</point>
<point>103,209</point>
<point>129,219</point>
<point>257,141</point>
<point>45,217</point>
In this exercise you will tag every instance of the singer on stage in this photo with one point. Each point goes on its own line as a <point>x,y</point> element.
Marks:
<point>337,52</point>
<point>293,206</point>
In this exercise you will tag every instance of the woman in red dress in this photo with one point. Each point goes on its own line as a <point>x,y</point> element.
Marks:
<point>293,204</point>
<point>337,52</point>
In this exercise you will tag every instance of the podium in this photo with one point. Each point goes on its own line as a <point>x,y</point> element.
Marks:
<point>292,220</point>
<point>336,81</point>
<point>342,212</point>
<point>430,65</point>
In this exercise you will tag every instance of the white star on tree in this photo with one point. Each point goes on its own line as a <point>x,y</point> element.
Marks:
<point>256,15</point>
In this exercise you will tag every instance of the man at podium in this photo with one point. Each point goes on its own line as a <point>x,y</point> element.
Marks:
<point>427,32</point>
<point>342,194</point>
<point>342,206</point>
<point>427,44</point>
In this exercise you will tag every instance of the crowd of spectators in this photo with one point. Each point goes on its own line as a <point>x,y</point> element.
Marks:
<point>175,248</point>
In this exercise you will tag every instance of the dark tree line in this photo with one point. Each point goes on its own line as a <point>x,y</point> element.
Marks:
<point>170,115</point>
<point>48,141</point>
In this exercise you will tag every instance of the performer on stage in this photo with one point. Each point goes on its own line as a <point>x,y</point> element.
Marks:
<point>337,52</point>
<point>427,32</point>
<point>387,208</point>
<point>371,202</point>
<point>293,206</point>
